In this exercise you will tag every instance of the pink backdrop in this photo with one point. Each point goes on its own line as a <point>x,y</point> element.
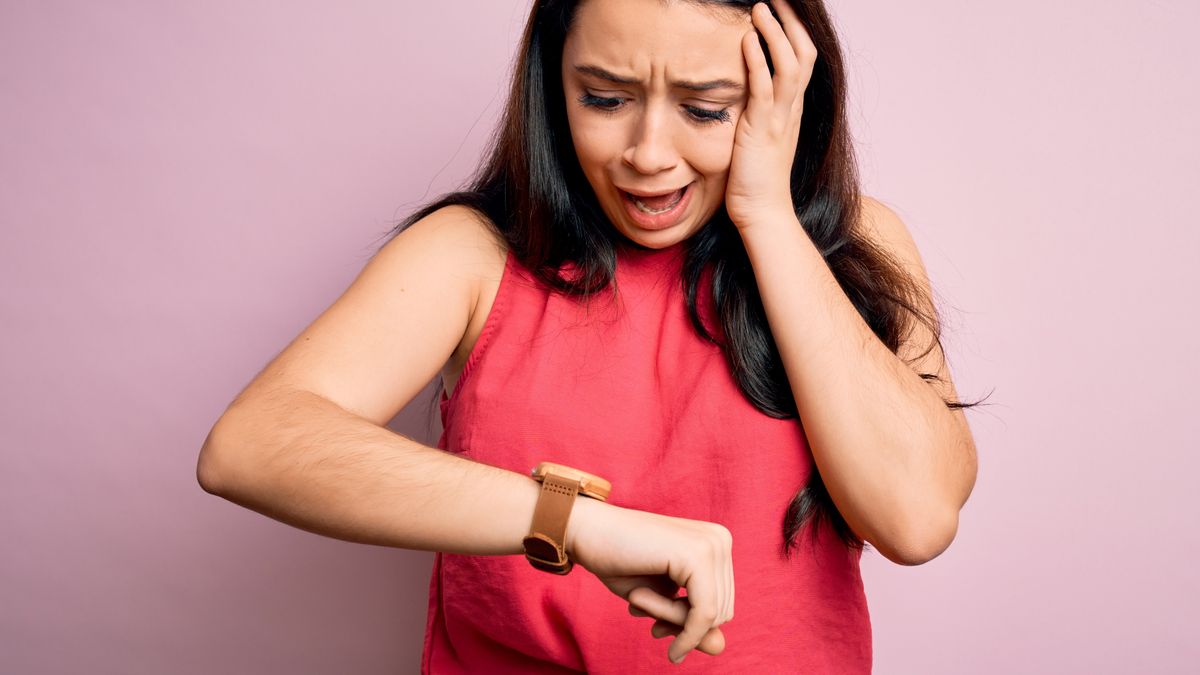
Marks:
<point>183,189</point>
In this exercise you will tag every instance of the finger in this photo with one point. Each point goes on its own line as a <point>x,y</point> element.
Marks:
<point>732,595</point>
<point>674,610</point>
<point>796,31</point>
<point>658,583</point>
<point>713,641</point>
<point>702,597</point>
<point>728,615</point>
<point>783,56</point>
<point>761,91</point>
<point>722,594</point>
<point>662,629</point>
<point>724,563</point>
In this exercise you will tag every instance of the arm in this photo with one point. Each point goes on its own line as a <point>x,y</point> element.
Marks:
<point>305,442</point>
<point>309,463</point>
<point>897,462</point>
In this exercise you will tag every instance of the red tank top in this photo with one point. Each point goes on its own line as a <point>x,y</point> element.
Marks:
<point>627,390</point>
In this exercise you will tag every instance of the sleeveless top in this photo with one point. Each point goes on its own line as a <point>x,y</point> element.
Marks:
<point>627,390</point>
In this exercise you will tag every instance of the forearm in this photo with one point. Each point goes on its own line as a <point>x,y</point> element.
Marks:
<point>307,462</point>
<point>884,441</point>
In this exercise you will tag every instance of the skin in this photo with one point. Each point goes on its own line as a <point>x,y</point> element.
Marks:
<point>305,441</point>
<point>653,139</point>
<point>647,131</point>
<point>900,475</point>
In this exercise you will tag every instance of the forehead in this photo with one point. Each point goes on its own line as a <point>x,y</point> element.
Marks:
<point>682,38</point>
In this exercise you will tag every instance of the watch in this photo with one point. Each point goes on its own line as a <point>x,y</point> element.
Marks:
<point>545,545</point>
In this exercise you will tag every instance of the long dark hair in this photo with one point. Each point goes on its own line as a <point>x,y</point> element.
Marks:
<point>534,193</point>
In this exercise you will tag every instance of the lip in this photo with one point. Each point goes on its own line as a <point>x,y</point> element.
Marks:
<point>655,193</point>
<point>656,221</point>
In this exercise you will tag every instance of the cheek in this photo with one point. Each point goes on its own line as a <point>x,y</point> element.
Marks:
<point>596,141</point>
<point>711,155</point>
<point>589,150</point>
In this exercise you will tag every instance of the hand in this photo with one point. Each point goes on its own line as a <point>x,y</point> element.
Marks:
<point>768,131</point>
<point>645,558</point>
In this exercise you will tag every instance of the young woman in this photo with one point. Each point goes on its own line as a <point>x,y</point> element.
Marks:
<point>664,277</point>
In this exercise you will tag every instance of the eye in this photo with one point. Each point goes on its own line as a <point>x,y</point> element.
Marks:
<point>698,115</point>
<point>599,102</point>
<point>706,116</point>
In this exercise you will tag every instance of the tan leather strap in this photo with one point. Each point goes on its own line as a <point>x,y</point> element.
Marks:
<point>549,530</point>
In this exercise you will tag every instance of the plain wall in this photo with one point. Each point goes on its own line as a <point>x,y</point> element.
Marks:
<point>185,186</point>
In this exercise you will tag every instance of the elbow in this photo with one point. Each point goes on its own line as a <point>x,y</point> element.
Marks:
<point>207,475</point>
<point>212,471</point>
<point>924,542</point>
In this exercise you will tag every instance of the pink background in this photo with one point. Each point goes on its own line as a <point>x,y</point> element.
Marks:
<point>182,189</point>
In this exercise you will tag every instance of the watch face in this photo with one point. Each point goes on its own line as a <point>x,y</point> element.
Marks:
<point>590,485</point>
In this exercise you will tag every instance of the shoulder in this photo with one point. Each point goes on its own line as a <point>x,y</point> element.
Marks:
<point>882,227</point>
<point>456,231</point>
<point>455,244</point>
<point>465,250</point>
<point>879,224</point>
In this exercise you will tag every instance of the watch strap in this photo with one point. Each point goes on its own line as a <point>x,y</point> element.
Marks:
<point>550,517</point>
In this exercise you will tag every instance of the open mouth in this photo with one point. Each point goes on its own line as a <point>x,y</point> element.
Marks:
<point>657,209</point>
<point>657,203</point>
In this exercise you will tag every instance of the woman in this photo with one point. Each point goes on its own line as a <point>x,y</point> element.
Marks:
<point>767,361</point>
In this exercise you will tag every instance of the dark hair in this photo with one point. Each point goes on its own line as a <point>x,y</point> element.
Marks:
<point>534,193</point>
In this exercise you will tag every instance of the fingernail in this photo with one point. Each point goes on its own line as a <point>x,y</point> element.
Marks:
<point>680,660</point>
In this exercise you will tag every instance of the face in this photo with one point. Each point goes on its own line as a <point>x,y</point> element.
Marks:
<point>654,92</point>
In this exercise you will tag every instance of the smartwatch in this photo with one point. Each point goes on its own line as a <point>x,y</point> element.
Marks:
<point>545,545</point>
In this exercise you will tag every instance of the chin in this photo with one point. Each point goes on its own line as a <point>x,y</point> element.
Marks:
<point>656,239</point>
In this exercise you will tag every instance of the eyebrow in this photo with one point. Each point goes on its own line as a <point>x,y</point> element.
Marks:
<point>597,71</point>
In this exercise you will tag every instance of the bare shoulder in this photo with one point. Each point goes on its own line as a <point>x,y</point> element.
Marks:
<point>484,252</point>
<point>459,239</point>
<point>883,227</point>
<point>461,230</point>
<point>880,224</point>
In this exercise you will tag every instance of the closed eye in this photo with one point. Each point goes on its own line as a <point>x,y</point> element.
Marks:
<point>610,105</point>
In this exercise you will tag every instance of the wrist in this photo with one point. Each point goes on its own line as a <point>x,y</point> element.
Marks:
<point>765,232</point>
<point>749,216</point>
<point>767,219</point>
<point>584,516</point>
<point>564,510</point>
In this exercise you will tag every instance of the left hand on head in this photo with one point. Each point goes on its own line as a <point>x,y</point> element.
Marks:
<point>768,131</point>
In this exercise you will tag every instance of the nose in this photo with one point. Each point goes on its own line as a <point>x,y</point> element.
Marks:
<point>653,149</point>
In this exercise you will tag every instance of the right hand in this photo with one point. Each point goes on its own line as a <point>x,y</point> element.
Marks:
<point>646,557</point>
